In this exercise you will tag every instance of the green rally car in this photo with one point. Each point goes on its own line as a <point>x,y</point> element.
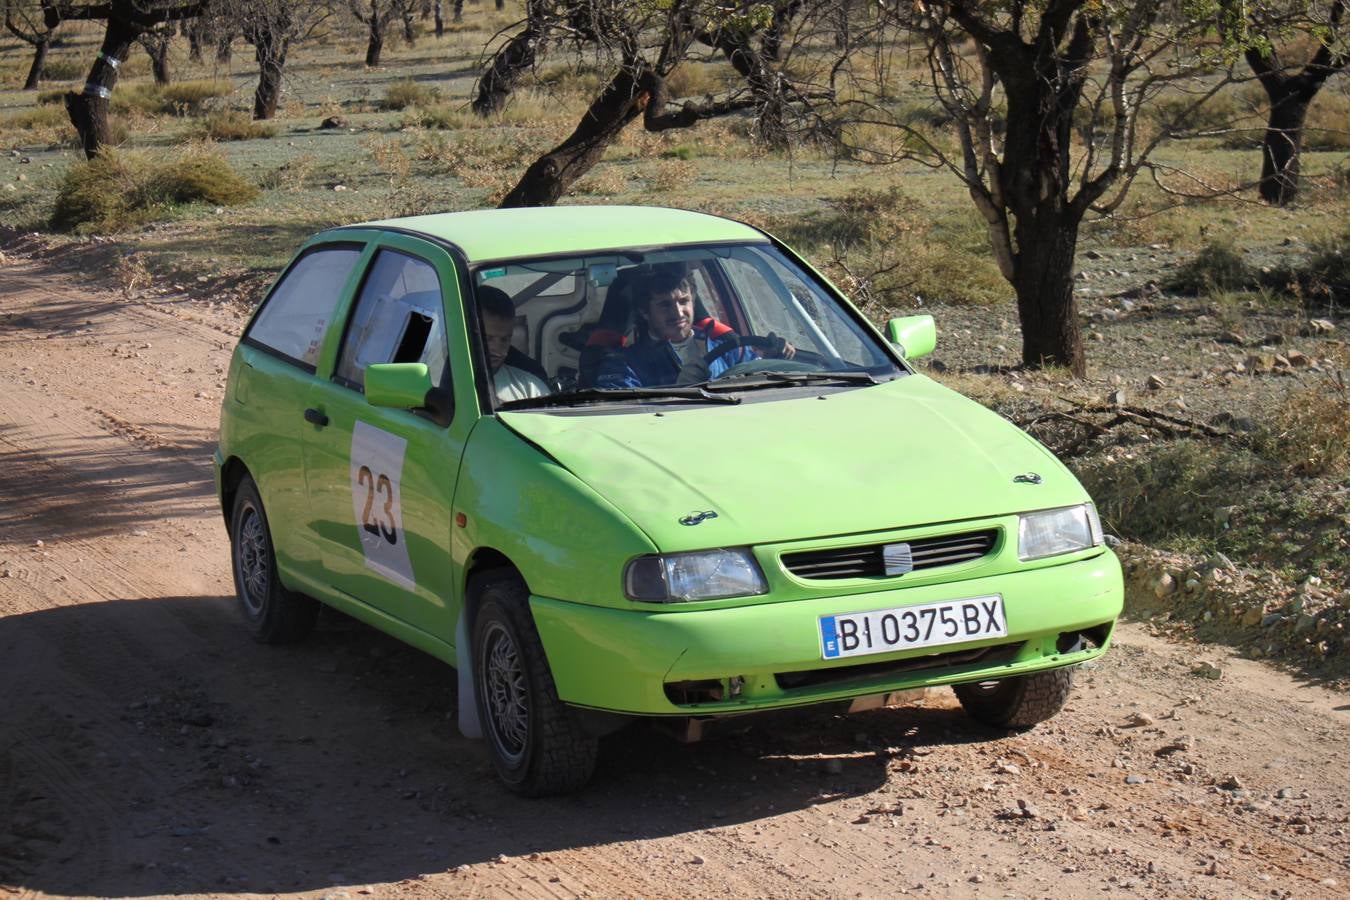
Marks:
<point>615,461</point>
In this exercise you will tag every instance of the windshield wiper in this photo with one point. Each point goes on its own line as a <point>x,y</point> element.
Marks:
<point>750,381</point>
<point>590,395</point>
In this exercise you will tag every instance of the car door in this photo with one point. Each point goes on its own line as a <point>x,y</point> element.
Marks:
<point>381,481</point>
<point>273,371</point>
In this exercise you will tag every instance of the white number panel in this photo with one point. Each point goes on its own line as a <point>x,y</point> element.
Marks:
<point>376,470</point>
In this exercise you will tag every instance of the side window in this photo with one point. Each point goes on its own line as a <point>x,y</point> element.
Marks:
<point>295,317</point>
<point>398,318</point>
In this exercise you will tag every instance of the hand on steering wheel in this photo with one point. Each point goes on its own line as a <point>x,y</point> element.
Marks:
<point>773,346</point>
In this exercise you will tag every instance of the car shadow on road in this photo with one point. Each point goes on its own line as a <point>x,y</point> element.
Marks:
<point>149,747</point>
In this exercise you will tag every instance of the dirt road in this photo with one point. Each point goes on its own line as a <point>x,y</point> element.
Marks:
<point>148,747</point>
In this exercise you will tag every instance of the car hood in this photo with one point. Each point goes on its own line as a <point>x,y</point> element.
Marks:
<point>904,453</point>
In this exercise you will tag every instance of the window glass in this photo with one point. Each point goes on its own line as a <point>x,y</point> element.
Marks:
<point>297,314</point>
<point>398,318</point>
<point>616,338</point>
<point>778,300</point>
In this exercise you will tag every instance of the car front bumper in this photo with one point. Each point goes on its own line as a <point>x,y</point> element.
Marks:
<point>768,655</point>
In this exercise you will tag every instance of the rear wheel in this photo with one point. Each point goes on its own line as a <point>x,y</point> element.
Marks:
<point>537,745</point>
<point>1020,702</point>
<point>273,614</point>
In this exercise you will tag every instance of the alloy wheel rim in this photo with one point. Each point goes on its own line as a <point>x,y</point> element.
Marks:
<point>251,560</point>
<point>507,701</point>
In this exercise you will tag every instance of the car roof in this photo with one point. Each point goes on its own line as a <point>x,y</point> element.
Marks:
<point>495,234</point>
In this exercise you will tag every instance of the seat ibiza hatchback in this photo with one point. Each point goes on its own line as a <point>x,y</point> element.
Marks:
<point>617,462</point>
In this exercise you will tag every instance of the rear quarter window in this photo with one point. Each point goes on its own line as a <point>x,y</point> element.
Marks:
<point>295,317</point>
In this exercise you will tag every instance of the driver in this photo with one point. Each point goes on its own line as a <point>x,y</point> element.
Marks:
<point>672,346</point>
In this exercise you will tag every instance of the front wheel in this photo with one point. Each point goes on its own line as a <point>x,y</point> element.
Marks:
<point>536,744</point>
<point>1020,702</point>
<point>274,615</point>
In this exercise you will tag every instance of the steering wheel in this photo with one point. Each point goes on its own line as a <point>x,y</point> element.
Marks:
<point>759,342</point>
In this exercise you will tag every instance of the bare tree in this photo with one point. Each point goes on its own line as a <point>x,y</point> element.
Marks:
<point>1020,81</point>
<point>644,45</point>
<point>516,56</point>
<point>157,43</point>
<point>35,24</point>
<point>272,27</point>
<point>1289,87</point>
<point>376,16</point>
<point>125,21</point>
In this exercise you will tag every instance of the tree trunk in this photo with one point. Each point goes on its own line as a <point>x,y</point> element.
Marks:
<point>459,11</point>
<point>376,45</point>
<point>1283,142</point>
<point>501,4</point>
<point>514,58</point>
<point>550,176</point>
<point>223,48</point>
<point>409,35</point>
<point>39,62</point>
<point>1043,280</point>
<point>270,50</point>
<point>192,30</point>
<point>88,110</point>
<point>440,20</point>
<point>156,46</point>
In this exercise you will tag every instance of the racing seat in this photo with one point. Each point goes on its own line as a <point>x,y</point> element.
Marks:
<point>612,331</point>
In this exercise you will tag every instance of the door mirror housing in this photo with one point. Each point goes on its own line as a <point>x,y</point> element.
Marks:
<point>398,385</point>
<point>916,336</point>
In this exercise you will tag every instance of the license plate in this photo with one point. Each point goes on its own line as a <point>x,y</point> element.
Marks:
<point>910,627</point>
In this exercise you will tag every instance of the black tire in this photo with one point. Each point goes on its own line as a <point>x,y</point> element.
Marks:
<point>537,745</point>
<point>273,614</point>
<point>1020,702</point>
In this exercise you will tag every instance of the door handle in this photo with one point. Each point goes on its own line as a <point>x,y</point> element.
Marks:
<point>314,417</point>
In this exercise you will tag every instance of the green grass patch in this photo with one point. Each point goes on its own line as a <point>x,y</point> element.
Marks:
<point>120,190</point>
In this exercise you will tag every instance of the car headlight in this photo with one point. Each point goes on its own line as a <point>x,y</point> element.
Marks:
<point>706,575</point>
<point>1051,532</point>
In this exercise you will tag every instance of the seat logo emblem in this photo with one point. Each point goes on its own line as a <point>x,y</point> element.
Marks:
<point>695,518</point>
<point>1028,478</point>
<point>898,558</point>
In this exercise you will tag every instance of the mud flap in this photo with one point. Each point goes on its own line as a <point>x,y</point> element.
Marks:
<point>468,700</point>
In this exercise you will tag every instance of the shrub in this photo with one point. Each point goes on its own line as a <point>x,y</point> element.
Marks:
<point>65,69</point>
<point>191,98</point>
<point>403,94</point>
<point>1310,435</point>
<point>1217,266</point>
<point>47,98</point>
<point>186,98</point>
<point>1324,278</point>
<point>117,190</point>
<point>36,118</point>
<point>232,125</point>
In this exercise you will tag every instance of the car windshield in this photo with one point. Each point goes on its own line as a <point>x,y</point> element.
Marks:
<point>713,319</point>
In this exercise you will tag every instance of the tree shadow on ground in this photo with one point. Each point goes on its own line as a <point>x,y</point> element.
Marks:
<point>151,748</point>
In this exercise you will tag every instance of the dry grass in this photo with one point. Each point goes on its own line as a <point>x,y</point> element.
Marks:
<point>116,191</point>
<point>403,94</point>
<point>231,125</point>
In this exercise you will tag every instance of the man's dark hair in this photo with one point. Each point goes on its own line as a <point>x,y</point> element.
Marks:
<point>665,277</point>
<point>495,302</point>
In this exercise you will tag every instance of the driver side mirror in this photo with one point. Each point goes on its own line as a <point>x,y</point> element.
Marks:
<point>915,336</point>
<point>407,386</point>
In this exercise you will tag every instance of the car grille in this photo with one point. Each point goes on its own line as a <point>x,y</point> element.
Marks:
<point>867,561</point>
<point>839,675</point>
